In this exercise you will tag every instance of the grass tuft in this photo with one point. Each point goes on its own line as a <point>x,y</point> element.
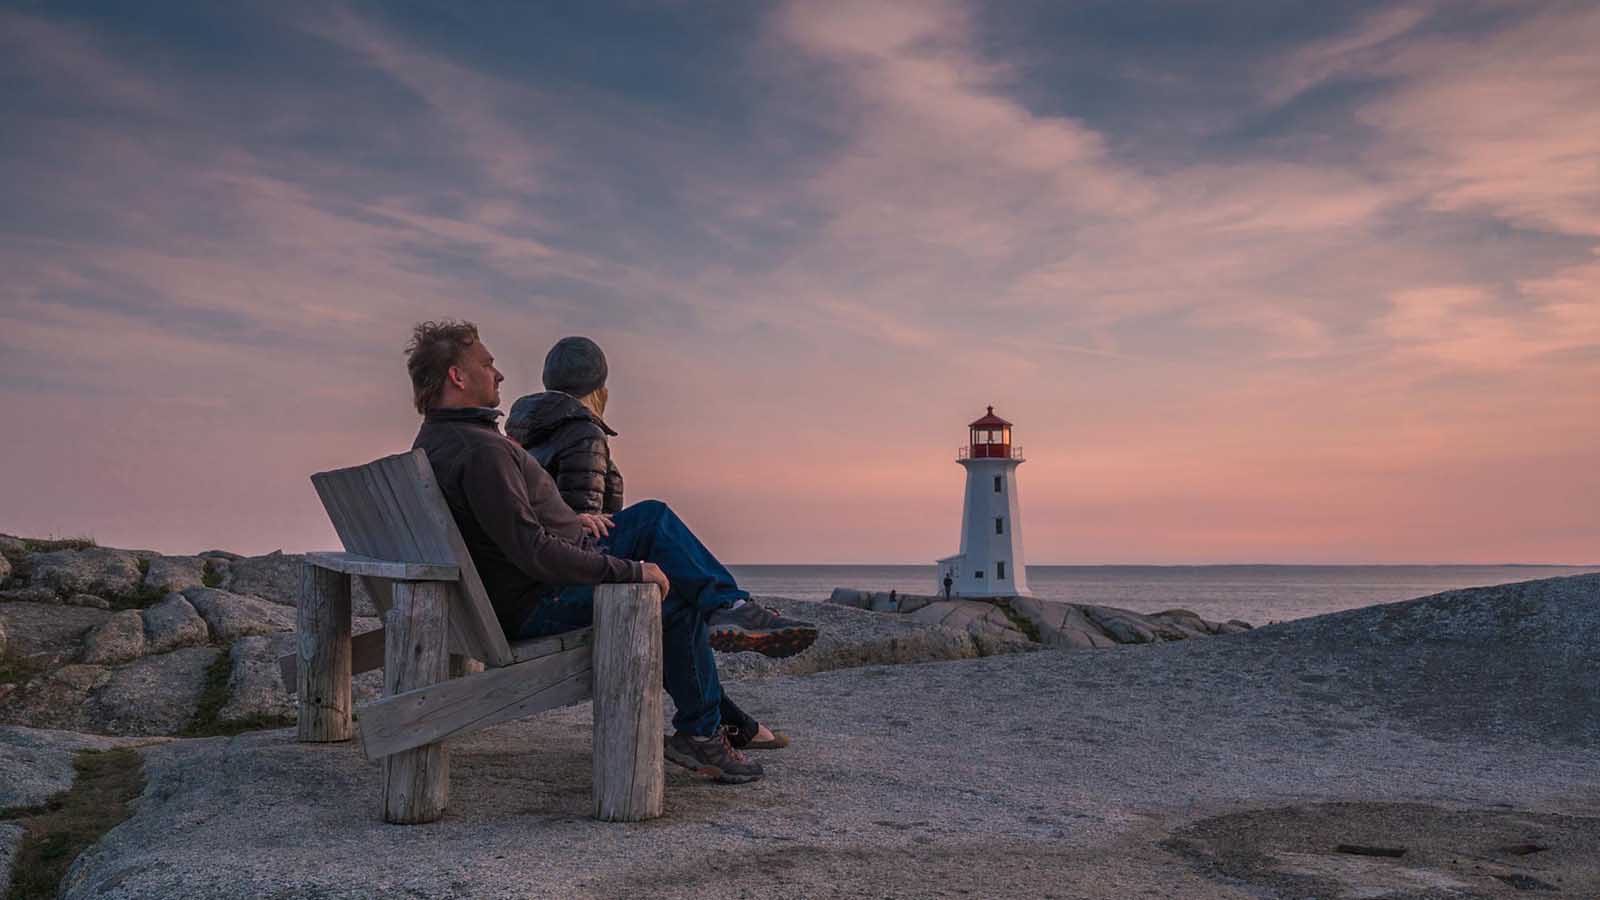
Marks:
<point>71,821</point>
<point>211,577</point>
<point>1021,622</point>
<point>141,597</point>
<point>214,696</point>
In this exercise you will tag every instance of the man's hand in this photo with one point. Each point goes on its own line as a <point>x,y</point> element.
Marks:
<point>596,524</point>
<point>654,575</point>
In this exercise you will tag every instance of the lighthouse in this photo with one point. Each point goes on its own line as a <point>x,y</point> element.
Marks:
<point>990,563</point>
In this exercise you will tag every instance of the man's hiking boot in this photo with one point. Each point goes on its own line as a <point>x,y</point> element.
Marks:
<point>712,757</point>
<point>750,626</point>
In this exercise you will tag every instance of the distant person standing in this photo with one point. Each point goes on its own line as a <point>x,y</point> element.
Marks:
<point>948,583</point>
<point>563,431</point>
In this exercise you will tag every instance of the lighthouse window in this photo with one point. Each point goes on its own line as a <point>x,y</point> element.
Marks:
<point>997,485</point>
<point>999,526</point>
<point>1000,570</point>
<point>978,574</point>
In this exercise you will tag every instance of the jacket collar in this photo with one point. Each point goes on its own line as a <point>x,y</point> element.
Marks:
<point>487,416</point>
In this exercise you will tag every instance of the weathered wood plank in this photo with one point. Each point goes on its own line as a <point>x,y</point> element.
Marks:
<point>478,629</point>
<point>356,564</point>
<point>322,624</point>
<point>416,782</point>
<point>533,648</point>
<point>628,781</point>
<point>430,714</point>
<point>366,654</point>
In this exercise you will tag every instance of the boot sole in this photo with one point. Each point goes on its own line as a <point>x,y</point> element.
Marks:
<point>712,772</point>
<point>776,644</point>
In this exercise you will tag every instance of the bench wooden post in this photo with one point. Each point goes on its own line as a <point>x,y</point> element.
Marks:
<point>323,635</point>
<point>416,783</point>
<point>628,781</point>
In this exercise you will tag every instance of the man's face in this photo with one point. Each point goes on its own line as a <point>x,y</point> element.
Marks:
<point>479,379</point>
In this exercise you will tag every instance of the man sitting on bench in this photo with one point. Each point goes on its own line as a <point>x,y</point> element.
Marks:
<point>539,560</point>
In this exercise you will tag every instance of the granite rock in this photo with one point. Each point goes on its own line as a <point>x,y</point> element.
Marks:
<point>95,570</point>
<point>255,687</point>
<point>5,569</point>
<point>274,577</point>
<point>55,698</point>
<point>175,573</point>
<point>47,628</point>
<point>4,637</point>
<point>849,638</point>
<point>89,600</point>
<point>10,841</point>
<point>232,616</point>
<point>38,762</point>
<point>971,616</point>
<point>30,595</point>
<point>118,639</point>
<point>154,695</point>
<point>173,623</point>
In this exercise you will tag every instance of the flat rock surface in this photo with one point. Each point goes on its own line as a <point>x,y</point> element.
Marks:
<point>849,637</point>
<point>38,762</point>
<point>1106,774</point>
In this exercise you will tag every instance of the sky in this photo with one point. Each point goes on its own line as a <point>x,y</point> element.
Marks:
<point>1281,282</point>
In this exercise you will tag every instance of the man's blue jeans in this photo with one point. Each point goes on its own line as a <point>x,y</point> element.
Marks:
<point>652,532</point>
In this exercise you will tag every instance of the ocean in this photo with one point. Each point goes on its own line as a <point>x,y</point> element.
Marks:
<point>1256,594</point>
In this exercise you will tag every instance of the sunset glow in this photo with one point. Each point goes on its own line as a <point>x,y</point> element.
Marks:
<point>1266,282</point>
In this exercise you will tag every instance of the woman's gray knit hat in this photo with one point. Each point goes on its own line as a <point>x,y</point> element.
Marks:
<point>575,366</point>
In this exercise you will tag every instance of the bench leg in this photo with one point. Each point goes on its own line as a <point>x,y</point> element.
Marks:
<point>628,780</point>
<point>322,679</point>
<point>416,783</point>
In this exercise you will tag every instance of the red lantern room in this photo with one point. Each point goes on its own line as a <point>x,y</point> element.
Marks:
<point>991,438</point>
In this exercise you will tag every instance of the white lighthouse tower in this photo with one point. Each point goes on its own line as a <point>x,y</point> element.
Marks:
<point>990,563</point>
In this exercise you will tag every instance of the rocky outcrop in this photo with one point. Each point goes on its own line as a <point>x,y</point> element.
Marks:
<point>5,569</point>
<point>56,698</point>
<point>1025,775</point>
<point>274,577</point>
<point>10,841</point>
<point>173,623</point>
<point>231,616</point>
<point>48,630</point>
<point>153,695</point>
<point>118,639</point>
<point>96,570</point>
<point>175,573</point>
<point>37,762</point>
<point>255,687</point>
<point>849,638</point>
<point>1051,622</point>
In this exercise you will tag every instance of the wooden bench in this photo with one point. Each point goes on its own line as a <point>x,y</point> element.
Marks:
<point>402,542</point>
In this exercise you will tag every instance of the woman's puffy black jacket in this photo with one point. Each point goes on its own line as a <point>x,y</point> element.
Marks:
<point>570,442</point>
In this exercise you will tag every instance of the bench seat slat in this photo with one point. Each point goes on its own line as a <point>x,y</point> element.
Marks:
<point>357,564</point>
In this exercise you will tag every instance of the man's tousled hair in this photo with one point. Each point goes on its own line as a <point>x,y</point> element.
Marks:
<point>434,348</point>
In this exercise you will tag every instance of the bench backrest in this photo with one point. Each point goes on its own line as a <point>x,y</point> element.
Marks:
<point>393,509</point>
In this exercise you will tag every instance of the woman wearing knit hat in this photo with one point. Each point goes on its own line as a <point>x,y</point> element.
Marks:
<point>563,430</point>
